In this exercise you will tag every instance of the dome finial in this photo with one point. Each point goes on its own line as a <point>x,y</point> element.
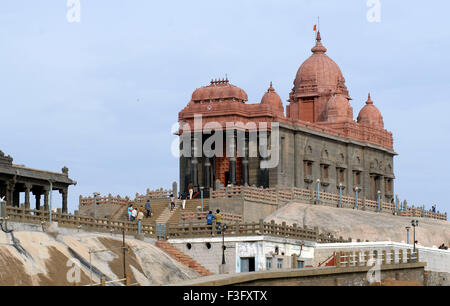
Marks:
<point>318,48</point>
<point>369,100</point>
<point>271,89</point>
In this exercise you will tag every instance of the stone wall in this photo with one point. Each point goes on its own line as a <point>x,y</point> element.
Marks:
<point>301,145</point>
<point>250,211</point>
<point>259,247</point>
<point>412,273</point>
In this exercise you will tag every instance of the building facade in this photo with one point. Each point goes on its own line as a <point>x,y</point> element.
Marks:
<point>17,179</point>
<point>319,143</point>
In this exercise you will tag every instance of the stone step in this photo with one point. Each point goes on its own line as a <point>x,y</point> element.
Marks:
<point>182,258</point>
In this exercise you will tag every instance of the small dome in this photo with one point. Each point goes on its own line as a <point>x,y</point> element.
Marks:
<point>273,99</point>
<point>339,109</point>
<point>319,73</point>
<point>370,115</point>
<point>219,90</point>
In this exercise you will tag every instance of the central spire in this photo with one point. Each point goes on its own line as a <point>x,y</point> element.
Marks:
<point>318,48</point>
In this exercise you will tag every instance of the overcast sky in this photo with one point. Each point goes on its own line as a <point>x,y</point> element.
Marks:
<point>100,96</point>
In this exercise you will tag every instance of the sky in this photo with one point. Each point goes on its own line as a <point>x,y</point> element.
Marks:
<point>101,95</point>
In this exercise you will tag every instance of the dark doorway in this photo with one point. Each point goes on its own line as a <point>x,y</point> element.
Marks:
<point>248,264</point>
<point>227,178</point>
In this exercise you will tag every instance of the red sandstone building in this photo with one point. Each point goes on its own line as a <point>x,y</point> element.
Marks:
<point>319,143</point>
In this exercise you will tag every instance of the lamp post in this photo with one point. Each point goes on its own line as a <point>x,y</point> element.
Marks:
<point>340,195</point>
<point>414,224</point>
<point>356,202</point>
<point>379,200</point>
<point>407,234</point>
<point>318,190</point>
<point>224,228</point>
<point>96,194</point>
<point>201,192</point>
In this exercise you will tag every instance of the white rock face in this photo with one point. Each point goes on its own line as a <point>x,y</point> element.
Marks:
<point>363,225</point>
<point>45,259</point>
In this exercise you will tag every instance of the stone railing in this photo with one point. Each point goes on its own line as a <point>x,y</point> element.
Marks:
<point>192,216</point>
<point>191,230</point>
<point>118,200</point>
<point>197,230</point>
<point>283,195</point>
<point>106,200</point>
<point>32,216</point>
<point>368,258</point>
<point>153,194</point>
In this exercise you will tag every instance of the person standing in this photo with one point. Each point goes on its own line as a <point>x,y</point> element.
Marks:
<point>191,190</point>
<point>218,218</point>
<point>209,220</point>
<point>130,211</point>
<point>172,202</point>
<point>133,214</point>
<point>140,216</point>
<point>148,209</point>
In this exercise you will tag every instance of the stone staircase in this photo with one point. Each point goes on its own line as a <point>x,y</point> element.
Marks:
<point>182,258</point>
<point>166,214</point>
<point>191,206</point>
<point>158,206</point>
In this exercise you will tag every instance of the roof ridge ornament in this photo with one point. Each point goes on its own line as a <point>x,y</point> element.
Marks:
<point>318,48</point>
<point>369,100</point>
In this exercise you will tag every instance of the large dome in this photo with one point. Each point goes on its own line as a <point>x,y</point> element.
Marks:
<point>370,115</point>
<point>219,90</point>
<point>319,73</point>
<point>273,99</point>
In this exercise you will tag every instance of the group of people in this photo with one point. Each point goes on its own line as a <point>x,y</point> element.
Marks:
<point>210,217</point>
<point>137,214</point>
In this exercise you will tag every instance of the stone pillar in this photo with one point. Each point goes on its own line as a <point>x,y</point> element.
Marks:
<point>46,198</point>
<point>16,198</point>
<point>245,171</point>
<point>38,200</point>
<point>253,161</point>
<point>64,200</point>
<point>233,170</point>
<point>194,170</point>
<point>9,193</point>
<point>382,189</point>
<point>175,189</point>
<point>195,149</point>
<point>3,209</point>
<point>207,174</point>
<point>27,196</point>
<point>232,155</point>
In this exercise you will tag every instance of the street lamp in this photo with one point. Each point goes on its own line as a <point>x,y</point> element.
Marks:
<point>340,195</point>
<point>96,194</point>
<point>414,223</point>
<point>407,234</point>
<point>224,228</point>
<point>318,186</point>
<point>379,200</point>
<point>357,189</point>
